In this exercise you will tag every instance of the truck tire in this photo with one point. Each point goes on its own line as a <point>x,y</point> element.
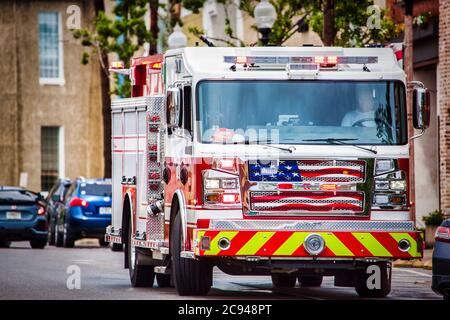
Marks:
<point>283,280</point>
<point>38,243</point>
<point>310,281</point>
<point>116,247</point>
<point>140,275</point>
<point>192,277</point>
<point>365,277</point>
<point>163,280</point>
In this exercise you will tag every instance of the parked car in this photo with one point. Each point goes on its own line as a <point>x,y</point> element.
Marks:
<point>55,203</point>
<point>86,212</point>
<point>22,217</point>
<point>441,260</point>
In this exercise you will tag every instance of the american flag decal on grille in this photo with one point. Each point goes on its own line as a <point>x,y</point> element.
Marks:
<point>303,201</point>
<point>307,171</point>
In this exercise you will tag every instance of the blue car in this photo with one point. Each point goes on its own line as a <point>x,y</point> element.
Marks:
<point>86,212</point>
<point>22,217</point>
<point>441,260</point>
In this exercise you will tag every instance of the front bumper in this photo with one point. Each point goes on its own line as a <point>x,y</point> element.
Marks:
<point>285,239</point>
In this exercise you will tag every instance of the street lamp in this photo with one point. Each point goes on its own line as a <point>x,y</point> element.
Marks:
<point>177,39</point>
<point>265,16</point>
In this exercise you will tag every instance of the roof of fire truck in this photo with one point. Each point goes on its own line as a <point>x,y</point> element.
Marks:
<point>276,61</point>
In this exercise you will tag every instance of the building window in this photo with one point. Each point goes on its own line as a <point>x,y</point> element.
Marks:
<point>52,160</point>
<point>50,49</point>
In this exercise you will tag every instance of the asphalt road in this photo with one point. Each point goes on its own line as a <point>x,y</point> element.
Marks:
<point>42,274</point>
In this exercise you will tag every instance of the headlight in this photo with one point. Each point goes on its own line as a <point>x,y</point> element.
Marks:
<point>220,189</point>
<point>212,183</point>
<point>381,185</point>
<point>398,184</point>
<point>384,165</point>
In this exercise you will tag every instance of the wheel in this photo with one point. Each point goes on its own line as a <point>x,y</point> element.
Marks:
<point>51,233</point>
<point>5,243</point>
<point>140,275</point>
<point>38,243</point>
<point>116,247</point>
<point>103,243</point>
<point>310,281</point>
<point>163,280</point>
<point>374,281</point>
<point>192,277</point>
<point>68,240</point>
<point>58,237</point>
<point>283,280</point>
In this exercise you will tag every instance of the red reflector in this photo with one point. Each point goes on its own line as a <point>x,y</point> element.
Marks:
<point>77,202</point>
<point>241,60</point>
<point>41,211</point>
<point>285,186</point>
<point>202,223</point>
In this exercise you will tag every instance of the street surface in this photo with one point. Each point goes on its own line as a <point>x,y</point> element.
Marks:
<point>41,274</point>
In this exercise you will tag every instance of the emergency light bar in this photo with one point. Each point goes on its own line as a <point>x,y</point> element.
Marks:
<point>119,67</point>
<point>321,60</point>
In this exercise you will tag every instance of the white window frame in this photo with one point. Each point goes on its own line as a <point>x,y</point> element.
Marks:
<point>59,80</point>
<point>61,159</point>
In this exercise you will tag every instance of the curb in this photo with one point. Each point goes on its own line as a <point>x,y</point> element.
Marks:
<point>413,264</point>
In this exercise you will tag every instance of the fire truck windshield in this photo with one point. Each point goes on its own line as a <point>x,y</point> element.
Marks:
<point>302,112</point>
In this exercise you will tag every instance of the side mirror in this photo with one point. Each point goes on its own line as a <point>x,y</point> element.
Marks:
<point>173,107</point>
<point>421,108</point>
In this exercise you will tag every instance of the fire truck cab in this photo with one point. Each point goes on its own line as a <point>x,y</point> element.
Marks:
<point>290,162</point>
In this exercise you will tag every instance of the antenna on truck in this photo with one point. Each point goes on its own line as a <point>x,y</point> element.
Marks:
<point>206,41</point>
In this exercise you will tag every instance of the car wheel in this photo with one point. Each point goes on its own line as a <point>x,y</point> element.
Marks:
<point>140,275</point>
<point>283,280</point>
<point>51,233</point>
<point>366,280</point>
<point>192,277</point>
<point>68,241</point>
<point>58,237</point>
<point>310,281</point>
<point>5,243</point>
<point>116,247</point>
<point>38,243</point>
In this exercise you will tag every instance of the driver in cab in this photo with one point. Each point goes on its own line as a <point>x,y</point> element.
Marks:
<point>364,114</point>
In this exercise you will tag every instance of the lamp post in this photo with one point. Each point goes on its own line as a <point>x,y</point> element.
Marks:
<point>265,16</point>
<point>177,39</point>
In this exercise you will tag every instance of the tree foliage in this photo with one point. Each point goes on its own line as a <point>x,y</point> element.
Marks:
<point>349,23</point>
<point>122,36</point>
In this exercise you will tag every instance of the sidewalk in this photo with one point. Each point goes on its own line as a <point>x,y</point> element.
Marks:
<point>424,263</point>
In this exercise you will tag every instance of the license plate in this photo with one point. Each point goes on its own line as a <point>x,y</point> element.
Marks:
<point>13,215</point>
<point>105,210</point>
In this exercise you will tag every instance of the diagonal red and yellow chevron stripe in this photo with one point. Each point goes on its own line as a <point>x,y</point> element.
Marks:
<point>290,244</point>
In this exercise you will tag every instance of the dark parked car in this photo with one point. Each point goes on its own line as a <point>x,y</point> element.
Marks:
<point>441,260</point>
<point>22,217</point>
<point>86,212</point>
<point>55,203</point>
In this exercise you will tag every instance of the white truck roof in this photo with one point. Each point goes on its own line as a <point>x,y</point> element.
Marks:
<point>209,61</point>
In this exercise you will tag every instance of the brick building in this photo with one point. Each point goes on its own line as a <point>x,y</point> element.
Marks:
<point>50,104</point>
<point>431,58</point>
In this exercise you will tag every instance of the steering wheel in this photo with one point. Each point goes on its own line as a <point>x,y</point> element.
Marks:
<point>360,122</point>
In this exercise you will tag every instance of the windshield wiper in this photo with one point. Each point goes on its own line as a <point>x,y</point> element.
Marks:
<point>256,142</point>
<point>340,141</point>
